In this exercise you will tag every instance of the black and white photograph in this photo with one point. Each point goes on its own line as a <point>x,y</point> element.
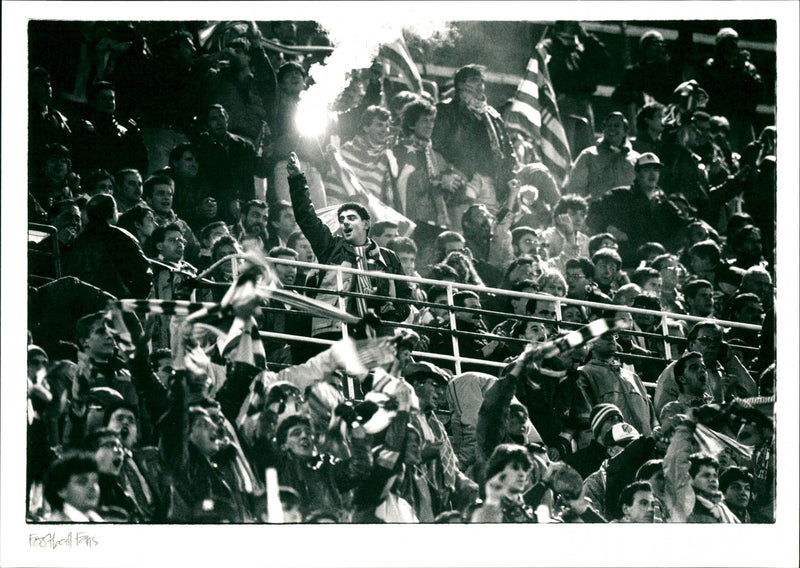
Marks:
<point>454,268</point>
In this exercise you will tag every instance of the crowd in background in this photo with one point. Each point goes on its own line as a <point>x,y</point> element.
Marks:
<point>171,155</point>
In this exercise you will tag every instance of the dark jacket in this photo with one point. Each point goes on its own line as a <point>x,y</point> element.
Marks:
<point>462,140</point>
<point>148,461</point>
<point>391,450</point>
<point>45,126</point>
<point>576,72</point>
<point>111,259</point>
<point>322,480</point>
<point>555,404</point>
<point>229,169</point>
<point>469,346</point>
<point>103,141</point>
<point>333,249</point>
<point>114,497</point>
<point>734,91</point>
<point>196,478</point>
<point>587,460</point>
<point>621,471</point>
<point>642,219</point>
<point>492,428</point>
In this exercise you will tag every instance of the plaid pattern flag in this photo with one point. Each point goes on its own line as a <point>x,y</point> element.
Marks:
<point>534,111</point>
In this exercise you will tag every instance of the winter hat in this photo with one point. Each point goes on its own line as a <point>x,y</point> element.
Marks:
<point>600,413</point>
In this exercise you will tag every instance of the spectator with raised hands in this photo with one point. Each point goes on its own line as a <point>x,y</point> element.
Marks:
<point>320,479</point>
<point>727,378</point>
<point>569,501</point>
<point>353,247</point>
<point>692,479</point>
<point>507,478</point>
<point>566,237</point>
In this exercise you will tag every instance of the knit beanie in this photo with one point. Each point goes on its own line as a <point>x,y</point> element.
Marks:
<point>601,412</point>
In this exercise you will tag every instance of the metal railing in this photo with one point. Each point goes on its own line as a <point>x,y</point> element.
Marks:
<point>37,233</point>
<point>452,287</point>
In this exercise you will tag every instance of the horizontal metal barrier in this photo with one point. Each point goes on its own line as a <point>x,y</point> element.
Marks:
<point>452,287</point>
<point>499,291</point>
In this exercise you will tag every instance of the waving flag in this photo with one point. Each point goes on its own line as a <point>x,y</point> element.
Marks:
<point>396,54</point>
<point>344,183</point>
<point>534,111</point>
<point>715,443</point>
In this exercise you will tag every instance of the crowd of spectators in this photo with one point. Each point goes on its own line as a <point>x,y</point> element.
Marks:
<point>178,165</point>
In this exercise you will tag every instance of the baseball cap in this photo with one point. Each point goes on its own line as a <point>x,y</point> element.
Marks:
<point>621,434</point>
<point>726,33</point>
<point>423,370</point>
<point>648,159</point>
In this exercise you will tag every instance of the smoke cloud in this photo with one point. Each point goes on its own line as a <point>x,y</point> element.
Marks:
<point>356,43</point>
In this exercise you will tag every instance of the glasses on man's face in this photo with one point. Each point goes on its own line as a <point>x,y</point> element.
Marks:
<point>112,445</point>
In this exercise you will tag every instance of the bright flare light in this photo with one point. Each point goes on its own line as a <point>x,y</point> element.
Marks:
<point>355,47</point>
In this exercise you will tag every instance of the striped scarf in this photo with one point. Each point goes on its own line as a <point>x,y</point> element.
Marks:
<point>362,281</point>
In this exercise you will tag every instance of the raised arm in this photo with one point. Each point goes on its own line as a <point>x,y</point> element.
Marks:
<point>318,234</point>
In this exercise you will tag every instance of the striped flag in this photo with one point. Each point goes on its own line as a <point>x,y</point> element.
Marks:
<point>396,54</point>
<point>344,182</point>
<point>534,111</point>
<point>715,443</point>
